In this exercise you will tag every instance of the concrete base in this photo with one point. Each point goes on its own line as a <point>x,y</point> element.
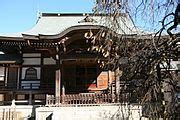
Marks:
<point>103,112</point>
<point>16,112</point>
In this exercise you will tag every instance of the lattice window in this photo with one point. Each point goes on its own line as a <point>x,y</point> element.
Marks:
<point>31,74</point>
<point>31,81</point>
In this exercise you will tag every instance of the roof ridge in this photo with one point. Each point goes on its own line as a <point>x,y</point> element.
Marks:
<point>74,14</point>
<point>65,14</point>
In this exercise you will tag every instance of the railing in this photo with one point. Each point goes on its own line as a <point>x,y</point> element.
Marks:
<point>8,114</point>
<point>82,98</point>
<point>26,86</point>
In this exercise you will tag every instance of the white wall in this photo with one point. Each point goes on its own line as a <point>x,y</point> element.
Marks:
<point>105,112</point>
<point>2,73</point>
<point>49,61</point>
<point>32,61</point>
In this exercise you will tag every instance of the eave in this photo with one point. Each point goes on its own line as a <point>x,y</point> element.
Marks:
<point>6,38</point>
<point>61,34</point>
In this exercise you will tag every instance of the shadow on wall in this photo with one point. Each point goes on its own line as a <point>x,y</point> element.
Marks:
<point>49,117</point>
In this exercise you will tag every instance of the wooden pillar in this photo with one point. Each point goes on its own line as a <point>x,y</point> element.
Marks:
<point>58,77</point>
<point>118,74</point>
<point>18,78</point>
<point>30,98</point>
<point>6,76</point>
<point>58,86</point>
<point>110,80</point>
<point>110,76</point>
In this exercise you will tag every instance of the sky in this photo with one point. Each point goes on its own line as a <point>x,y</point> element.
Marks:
<point>21,15</point>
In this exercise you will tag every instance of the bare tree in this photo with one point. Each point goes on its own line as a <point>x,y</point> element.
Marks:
<point>143,59</point>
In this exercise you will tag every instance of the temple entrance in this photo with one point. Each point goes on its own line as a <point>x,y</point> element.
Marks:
<point>79,75</point>
<point>48,80</point>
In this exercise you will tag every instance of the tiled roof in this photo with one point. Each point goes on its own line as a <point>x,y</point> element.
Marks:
<point>54,24</point>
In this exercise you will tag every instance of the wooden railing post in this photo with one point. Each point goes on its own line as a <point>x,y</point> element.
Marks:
<point>30,98</point>
<point>47,99</point>
<point>63,94</point>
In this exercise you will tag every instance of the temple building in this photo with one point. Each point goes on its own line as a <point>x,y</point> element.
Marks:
<point>51,65</point>
<point>52,58</point>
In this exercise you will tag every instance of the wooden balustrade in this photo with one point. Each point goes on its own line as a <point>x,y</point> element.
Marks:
<point>32,85</point>
<point>80,99</point>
